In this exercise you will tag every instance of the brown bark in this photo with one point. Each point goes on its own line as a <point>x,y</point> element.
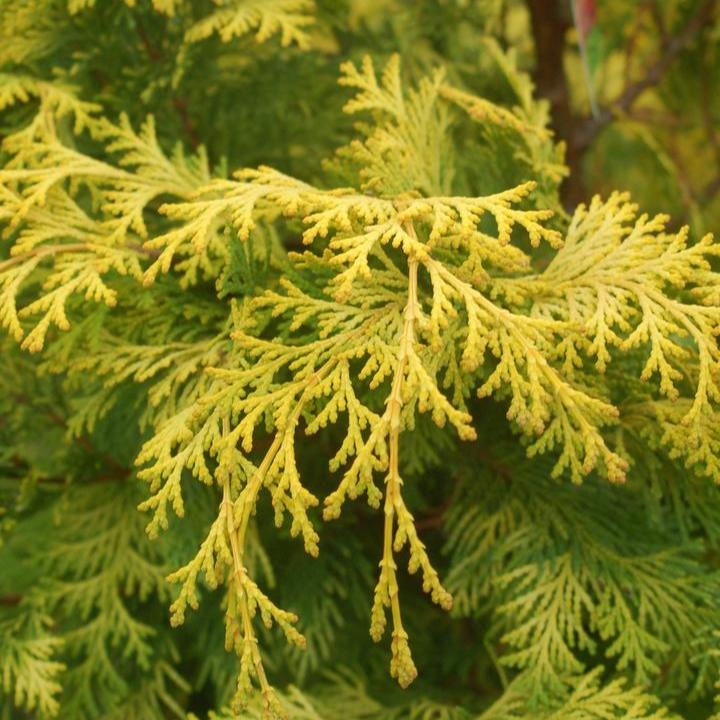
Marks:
<point>551,20</point>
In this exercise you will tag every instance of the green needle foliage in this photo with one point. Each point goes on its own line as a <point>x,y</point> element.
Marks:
<point>231,308</point>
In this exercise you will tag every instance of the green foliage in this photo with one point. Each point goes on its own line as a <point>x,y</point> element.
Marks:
<point>389,304</point>
<point>29,671</point>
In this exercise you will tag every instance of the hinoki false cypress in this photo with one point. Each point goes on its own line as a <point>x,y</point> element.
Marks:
<point>262,346</point>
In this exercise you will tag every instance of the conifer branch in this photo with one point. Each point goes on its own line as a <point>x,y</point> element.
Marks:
<point>438,306</point>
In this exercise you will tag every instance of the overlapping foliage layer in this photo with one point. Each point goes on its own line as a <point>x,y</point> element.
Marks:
<point>233,306</point>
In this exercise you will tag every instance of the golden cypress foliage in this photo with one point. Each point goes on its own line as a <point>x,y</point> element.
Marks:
<point>404,301</point>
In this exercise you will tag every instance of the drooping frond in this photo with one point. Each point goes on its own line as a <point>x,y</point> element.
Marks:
<point>55,97</point>
<point>29,668</point>
<point>38,191</point>
<point>637,288</point>
<point>100,628</point>
<point>562,585</point>
<point>265,18</point>
<point>407,148</point>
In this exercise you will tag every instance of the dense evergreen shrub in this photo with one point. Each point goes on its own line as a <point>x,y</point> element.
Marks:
<point>314,323</point>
